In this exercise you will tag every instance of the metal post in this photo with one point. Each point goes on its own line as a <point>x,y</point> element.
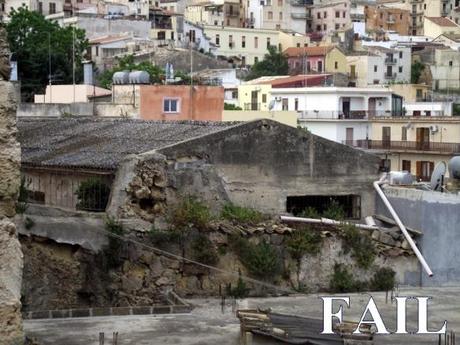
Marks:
<point>101,338</point>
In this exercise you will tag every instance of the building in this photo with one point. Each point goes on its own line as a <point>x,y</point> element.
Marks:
<point>64,94</point>
<point>242,46</point>
<point>412,92</point>
<point>194,35</point>
<point>215,13</point>
<point>435,26</point>
<point>45,7</point>
<point>204,159</point>
<point>330,17</point>
<point>381,17</point>
<point>289,38</point>
<point>449,40</point>
<point>308,59</point>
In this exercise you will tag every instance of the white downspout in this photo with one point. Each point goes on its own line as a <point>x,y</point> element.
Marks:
<point>401,226</point>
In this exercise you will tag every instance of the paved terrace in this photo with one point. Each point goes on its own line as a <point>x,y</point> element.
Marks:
<point>208,325</point>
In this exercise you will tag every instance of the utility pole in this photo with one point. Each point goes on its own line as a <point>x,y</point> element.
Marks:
<point>191,80</point>
<point>73,61</point>
<point>49,68</point>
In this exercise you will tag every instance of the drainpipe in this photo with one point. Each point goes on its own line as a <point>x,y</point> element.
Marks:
<point>326,221</point>
<point>395,216</point>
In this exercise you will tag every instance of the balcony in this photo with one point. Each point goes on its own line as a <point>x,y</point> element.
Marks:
<point>337,115</point>
<point>302,3</point>
<point>232,13</point>
<point>390,61</point>
<point>390,20</point>
<point>300,16</point>
<point>390,75</point>
<point>391,145</point>
<point>251,106</point>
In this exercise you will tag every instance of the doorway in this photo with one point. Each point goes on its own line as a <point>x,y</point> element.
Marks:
<point>423,138</point>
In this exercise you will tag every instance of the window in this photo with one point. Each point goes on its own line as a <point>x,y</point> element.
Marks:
<point>400,17</point>
<point>406,165</point>
<point>52,8</point>
<point>296,104</point>
<point>264,98</point>
<point>40,7</point>
<point>400,55</point>
<point>385,165</point>
<point>325,14</point>
<point>171,105</point>
<point>97,50</point>
<point>400,69</point>
<point>270,15</point>
<point>318,27</point>
<point>284,104</point>
<point>268,42</point>
<point>337,14</point>
<point>256,42</point>
<point>336,65</point>
<point>172,35</point>
<point>234,94</point>
<point>230,41</point>
<point>281,15</point>
<point>324,27</point>
<point>344,14</point>
<point>381,15</point>
<point>424,170</point>
<point>337,26</point>
<point>318,15</point>
<point>243,41</point>
<point>450,63</point>
<point>256,59</point>
<point>280,2</point>
<point>375,68</point>
<point>404,133</point>
<point>217,40</point>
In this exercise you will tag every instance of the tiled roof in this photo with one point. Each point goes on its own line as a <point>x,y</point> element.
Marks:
<point>308,51</point>
<point>442,21</point>
<point>101,143</point>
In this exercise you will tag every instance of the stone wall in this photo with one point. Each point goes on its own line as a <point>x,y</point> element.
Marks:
<point>10,249</point>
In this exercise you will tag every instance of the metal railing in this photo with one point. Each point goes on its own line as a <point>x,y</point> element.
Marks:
<point>300,15</point>
<point>390,75</point>
<point>301,2</point>
<point>341,115</point>
<point>393,145</point>
<point>251,106</point>
<point>390,61</point>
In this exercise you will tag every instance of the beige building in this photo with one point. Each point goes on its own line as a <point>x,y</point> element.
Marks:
<point>412,92</point>
<point>242,45</point>
<point>330,17</point>
<point>72,94</point>
<point>215,13</point>
<point>436,26</point>
<point>292,39</point>
<point>415,144</point>
<point>45,7</point>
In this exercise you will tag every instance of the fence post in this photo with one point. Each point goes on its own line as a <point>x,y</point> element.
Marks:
<point>101,338</point>
<point>115,338</point>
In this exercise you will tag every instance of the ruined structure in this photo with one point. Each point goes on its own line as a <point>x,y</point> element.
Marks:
<point>10,249</point>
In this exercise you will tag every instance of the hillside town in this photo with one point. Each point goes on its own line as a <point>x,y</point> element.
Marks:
<point>206,171</point>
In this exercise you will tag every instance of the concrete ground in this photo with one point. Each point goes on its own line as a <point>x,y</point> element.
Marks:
<point>207,324</point>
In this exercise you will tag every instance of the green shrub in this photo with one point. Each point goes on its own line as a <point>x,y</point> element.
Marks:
<point>160,237</point>
<point>191,212</point>
<point>112,252</point>
<point>360,244</point>
<point>342,280</point>
<point>310,212</point>
<point>241,214</point>
<point>383,280</point>
<point>240,290</point>
<point>203,250</point>
<point>303,241</point>
<point>229,106</point>
<point>93,195</point>
<point>334,211</point>
<point>29,223</point>
<point>23,195</point>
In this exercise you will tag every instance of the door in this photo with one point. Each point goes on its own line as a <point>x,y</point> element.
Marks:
<point>406,165</point>
<point>320,66</point>
<point>352,72</point>
<point>389,71</point>
<point>372,107</point>
<point>349,136</point>
<point>346,107</point>
<point>424,170</point>
<point>423,138</point>
<point>285,104</point>
<point>386,137</point>
<point>254,100</point>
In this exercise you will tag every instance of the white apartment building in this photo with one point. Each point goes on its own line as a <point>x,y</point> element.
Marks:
<point>45,7</point>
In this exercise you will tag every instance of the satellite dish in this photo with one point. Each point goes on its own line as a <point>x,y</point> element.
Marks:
<point>437,177</point>
<point>271,105</point>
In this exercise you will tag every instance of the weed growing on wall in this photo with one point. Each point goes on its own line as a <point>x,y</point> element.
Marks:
<point>359,244</point>
<point>112,252</point>
<point>191,212</point>
<point>243,215</point>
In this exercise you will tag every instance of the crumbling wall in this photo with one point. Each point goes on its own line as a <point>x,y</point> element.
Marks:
<point>10,249</point>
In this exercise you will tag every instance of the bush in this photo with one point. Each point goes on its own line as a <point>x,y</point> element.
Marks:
<point>113,250</point>
<point>241,214</point>
<point>334,211</point>
<point>93,195</point>
<point>303,241</point>
<point>229,106</point>
<point>361,246</point>
<point>191,212</point>
<point>203,250</point>
<point>159,237</point>
<point>310,212</point>
<point>383,280</point>
<point>23,195</point>
<point>342,280</point>
<point>240,291</point>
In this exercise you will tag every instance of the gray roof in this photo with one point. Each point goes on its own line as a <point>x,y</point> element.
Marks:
<point>100,143</point>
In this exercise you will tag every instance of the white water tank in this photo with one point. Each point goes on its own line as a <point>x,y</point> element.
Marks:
<point>120,78</point>
<point>454,167</point>
<point>401,177</point>
<point>139,77</point>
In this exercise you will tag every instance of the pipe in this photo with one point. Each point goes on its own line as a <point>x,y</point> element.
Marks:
<point>401,226</point>
<point>326,221</point>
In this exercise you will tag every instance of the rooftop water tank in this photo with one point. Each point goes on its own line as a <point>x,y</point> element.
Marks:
<point>139,77</point>
<point>454,167</point>
<point>401,177</point>
<point>120,78</point>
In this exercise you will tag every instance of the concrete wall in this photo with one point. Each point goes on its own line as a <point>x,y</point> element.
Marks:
<point>259,164</point>
<point>437,216</point>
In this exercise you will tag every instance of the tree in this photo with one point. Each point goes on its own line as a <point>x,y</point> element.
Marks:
<point>416,71</point>
<point>32,39</point>
<point>274,63</point>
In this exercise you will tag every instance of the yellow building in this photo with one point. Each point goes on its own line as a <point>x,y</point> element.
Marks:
<point>436,26</point>
<point>292,39</point>
<point>336,61</point>
<point>414,144</point>
<point>243,44</point>
<point>287,117</point>
<point>411,92</point>
<point>254,96</point>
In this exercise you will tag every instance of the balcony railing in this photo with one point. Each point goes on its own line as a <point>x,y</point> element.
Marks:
<point>251,106</point>
<point>232,13</point>
<point>340,115</point>
<point>300,15</point>
<point>392,145</point>
<point>390,75</point>
<point>301,2</point>
<point>390,61</point>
